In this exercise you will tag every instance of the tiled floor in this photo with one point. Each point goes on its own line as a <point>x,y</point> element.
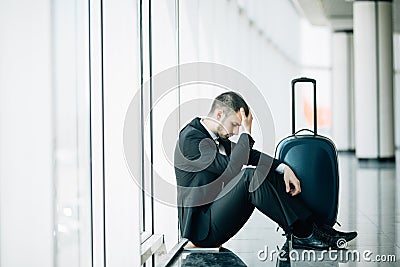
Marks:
<point>369,203</point>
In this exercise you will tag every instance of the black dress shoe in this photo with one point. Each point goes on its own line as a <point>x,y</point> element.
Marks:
<point>317,240</point>
<point>283,259</point>
<point>327,230</point>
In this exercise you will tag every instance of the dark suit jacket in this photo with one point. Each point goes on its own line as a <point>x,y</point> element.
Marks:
<point>201,172</point>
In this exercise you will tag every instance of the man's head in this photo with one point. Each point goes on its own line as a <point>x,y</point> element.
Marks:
<point>226,111</point>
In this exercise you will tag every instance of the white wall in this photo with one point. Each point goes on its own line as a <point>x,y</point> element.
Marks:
<point>26,136</point>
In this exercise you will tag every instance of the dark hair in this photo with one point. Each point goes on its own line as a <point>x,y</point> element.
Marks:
<point>230,101</point>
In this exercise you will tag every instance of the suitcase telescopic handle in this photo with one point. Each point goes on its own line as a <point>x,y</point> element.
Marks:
<point>304,80</point>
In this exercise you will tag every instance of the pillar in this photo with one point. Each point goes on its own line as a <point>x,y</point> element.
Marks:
<point>373,79</point>
<point>343,90</point>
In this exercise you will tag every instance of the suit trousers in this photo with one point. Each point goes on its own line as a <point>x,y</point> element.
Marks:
<point>235,203</point>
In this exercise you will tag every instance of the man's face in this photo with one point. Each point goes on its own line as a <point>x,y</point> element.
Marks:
<point>229,124</point>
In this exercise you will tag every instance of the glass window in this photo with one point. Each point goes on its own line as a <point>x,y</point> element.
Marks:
<point>146,204</point>
<point>71,109</point>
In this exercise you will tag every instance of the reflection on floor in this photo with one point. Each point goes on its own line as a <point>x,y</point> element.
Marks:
<point>224,257</point>
<point>369,203</point>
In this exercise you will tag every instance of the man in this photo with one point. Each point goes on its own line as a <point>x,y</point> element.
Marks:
<point>216,196</point>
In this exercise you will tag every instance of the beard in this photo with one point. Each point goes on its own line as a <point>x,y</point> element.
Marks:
<point>222,133</point>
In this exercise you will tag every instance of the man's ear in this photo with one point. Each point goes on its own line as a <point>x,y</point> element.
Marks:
<point>220,114</point>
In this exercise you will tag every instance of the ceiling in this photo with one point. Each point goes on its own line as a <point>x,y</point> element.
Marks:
<point>338,14</point>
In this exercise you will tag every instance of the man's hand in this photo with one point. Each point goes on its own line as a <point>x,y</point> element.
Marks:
<point>246,120</point>
<point>291,179</point>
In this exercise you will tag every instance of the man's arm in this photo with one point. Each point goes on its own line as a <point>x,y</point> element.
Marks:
<point>264,161</point>
<point>256,158</point>
<point>198,153</point>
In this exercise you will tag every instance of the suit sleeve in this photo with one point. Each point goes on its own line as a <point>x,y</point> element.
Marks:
<point>201,154</point>
<point>258,158</point>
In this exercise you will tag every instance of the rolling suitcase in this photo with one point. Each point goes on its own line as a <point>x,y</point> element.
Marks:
<point>313,158</point>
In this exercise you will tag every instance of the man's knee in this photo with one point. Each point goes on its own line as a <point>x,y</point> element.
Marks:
<point>256,178</point>
<point>247,174</point>
<point>248,171</point>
